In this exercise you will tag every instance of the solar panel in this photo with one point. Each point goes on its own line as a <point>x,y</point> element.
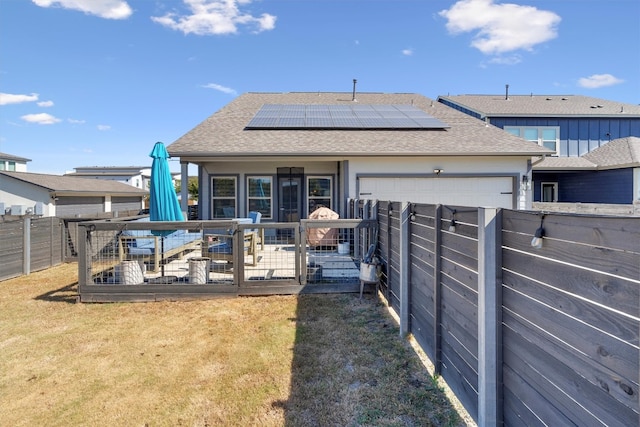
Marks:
<point>356,116</point>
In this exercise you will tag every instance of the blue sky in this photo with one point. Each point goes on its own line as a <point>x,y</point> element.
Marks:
<point>98,82</point>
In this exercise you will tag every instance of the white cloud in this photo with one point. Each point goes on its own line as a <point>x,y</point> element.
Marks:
<point>45,104</point>
<point>41,118</point>
<point>9,98</point>
<point>76,121</point>
<point>103,128</point>
<point>209,17</point>
<point>407,52</point>
<point>503,27</point>
<point>108,9</point>
<point>506,60</point>
<point>599,80</point>
<point>220,88</point>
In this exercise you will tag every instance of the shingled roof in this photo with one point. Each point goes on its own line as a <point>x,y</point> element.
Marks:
<point>617,154</point>
<point>622,152</point>
<point>224,133</point>
<point>11,157</point>
<point>70,184</point>
<point>544,106</point>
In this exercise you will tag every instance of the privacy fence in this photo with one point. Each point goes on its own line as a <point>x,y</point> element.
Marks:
<point>30,243</point>
<point>522,335</point>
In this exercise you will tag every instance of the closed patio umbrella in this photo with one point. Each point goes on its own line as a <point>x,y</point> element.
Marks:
<point>163,202</point>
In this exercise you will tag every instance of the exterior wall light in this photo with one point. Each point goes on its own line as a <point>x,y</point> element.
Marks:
<point>526,184</point>
<point>438,171</point>
<point>452,224</point>
<point>536,242</point>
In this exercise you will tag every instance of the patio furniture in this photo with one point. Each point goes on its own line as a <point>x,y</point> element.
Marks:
<point>255,218</point>
<point>218,246</point>
<point>141,245</point>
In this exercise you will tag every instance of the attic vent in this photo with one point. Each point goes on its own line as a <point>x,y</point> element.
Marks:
<point>549,99</point>
<point>564,99</point>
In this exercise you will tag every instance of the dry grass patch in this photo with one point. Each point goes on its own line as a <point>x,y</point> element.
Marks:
<point>272,361</point>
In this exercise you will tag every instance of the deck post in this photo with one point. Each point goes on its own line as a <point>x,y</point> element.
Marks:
<point>84,256</point>
<point>489,317</point>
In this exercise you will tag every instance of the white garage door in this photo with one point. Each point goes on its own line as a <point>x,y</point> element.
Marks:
<point>485,191</point>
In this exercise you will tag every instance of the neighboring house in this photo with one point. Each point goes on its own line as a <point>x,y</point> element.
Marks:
<point>23,193</point>
<point>136,176</point>
<point>284,154</point>
<point>609,174</point>
<point>575,128</point>
<point>13,163</point>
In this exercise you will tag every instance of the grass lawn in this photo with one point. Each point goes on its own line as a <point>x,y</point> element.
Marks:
<point>312,360</point>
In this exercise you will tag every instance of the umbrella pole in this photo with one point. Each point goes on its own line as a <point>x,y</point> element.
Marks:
<point>162,256</point>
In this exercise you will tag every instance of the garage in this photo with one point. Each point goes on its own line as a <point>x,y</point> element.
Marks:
<point>494,191</point>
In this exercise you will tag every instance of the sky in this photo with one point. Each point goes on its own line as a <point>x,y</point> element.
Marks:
<point>98,82</point>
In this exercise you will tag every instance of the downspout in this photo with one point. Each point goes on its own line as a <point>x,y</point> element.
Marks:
<point>544,156</point>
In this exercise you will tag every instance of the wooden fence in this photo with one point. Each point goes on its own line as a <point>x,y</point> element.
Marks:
<point>30,244</point>
<point>523,336</point>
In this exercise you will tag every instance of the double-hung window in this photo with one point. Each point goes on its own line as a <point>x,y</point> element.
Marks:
<point>224,193</point>
<point>319,192</point>
<point>259,191</point>
<point>546,136</point>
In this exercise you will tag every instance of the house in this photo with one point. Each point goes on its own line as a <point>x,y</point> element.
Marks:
<point>9,162</point>
<point>136,176</point>
<point>24,193</point>
<point>284,154</point>
<point>609,174</point>
<point>574,127</point>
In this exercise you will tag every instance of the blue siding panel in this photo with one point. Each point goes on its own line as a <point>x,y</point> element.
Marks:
<point>609,186</point>
<point>580,135</point>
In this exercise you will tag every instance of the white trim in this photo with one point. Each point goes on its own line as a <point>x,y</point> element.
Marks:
<point>555,191</point>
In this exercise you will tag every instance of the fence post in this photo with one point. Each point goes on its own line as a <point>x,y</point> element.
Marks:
<point>437,290</point>
<point>26,246</point>
<point>489,317</point>
<point>405,214</point>
<point>84,257</point>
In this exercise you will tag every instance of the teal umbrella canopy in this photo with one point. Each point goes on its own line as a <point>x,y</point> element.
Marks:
<point>163,203</point>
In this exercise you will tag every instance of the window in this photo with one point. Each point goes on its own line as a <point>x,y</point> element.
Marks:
<point>549,192</point>
<point>223,197</point>
<point>11,166</point>
<point>547,136</point>
<point>319,191</point>
<point>259,195</point>
<point>2,165</point>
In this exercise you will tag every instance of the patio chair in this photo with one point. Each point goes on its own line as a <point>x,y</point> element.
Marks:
<point>218,246</point>
<point>255,218</point>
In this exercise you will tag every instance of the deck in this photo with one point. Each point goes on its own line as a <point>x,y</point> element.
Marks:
<point>194,277</point>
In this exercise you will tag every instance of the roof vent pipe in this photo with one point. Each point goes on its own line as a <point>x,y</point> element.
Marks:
<point>506,95</point>
<point>353,98</point>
